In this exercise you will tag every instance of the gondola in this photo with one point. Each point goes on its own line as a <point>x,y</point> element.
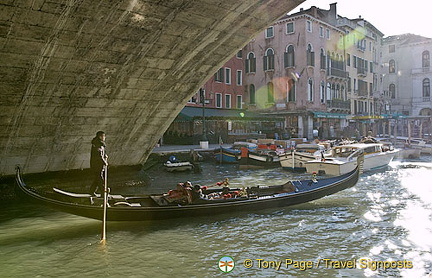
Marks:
<point>163,206</point>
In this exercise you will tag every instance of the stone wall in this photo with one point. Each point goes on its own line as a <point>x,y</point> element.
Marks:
<point>72,67</point>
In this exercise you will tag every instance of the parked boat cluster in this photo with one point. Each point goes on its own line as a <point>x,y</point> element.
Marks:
<point>321,157</point>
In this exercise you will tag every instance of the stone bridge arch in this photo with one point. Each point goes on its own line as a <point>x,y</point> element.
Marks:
<point>72,67</point>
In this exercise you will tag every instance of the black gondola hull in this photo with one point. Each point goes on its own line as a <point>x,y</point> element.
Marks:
<point>307,190</point>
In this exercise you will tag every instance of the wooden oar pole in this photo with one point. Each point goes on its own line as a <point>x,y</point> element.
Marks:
<point>105,204</point>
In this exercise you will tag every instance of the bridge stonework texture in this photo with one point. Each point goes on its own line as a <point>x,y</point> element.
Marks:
<point>69,68</point>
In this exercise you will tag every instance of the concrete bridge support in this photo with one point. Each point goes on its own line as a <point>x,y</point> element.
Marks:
<point>72,67</point>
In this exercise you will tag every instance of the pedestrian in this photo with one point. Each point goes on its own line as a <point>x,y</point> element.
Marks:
<point>98,162</point>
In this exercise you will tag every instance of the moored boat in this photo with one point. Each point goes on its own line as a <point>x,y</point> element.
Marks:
<point>344,158</point>
<point>296,158</point>
<point>174,165</point>
<point>189,201</point>
<point>232,154</point>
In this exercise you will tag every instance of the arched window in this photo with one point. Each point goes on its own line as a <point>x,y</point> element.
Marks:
<point>250,63</point>
<point>291,90</point>
<point>269,60</point>
<point>289,56</point>
<point>344,93</point>
<point>392,66</point>
<point>270,92</point>
<point>425,59</point>
<point>392,90</point>
<point>328,91</point>
<point>426,89</point>
<point>338,96</point>
<point>252,99</point>
<point>322,59</point>
<point>322,92</point>
<point>310,55</point>
<point>310,90</point>
<point>333,91</point>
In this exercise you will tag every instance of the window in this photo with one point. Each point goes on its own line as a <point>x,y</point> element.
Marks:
<point>425,59</point>
<point>328,91</point>
<point>227,76</point>
<point>218,100</point>
<point>310,56</point>
<point>250,63</point>
<point>290,27</point>
<point>291,90</point>
<point>348,60</point>
<point>322,92</point>
<point>310,90</point>
<point>270,92</point>
<point>328,34</point>
<point>322,59</point>
<point>239,77</point>
<point>269,33</point>
<point>239,54</point>
<point>227,101</point>
<point>252,94</point>
<point>269,60</point>
<point>426,89</point>
<point>392,48</point>
<point>309,26</point>
<point>239,102</point>
<point>219,75</point>
<point>392,66</point>
<point>321,32</point>
<point>289,56</point>
<point>392,91</point>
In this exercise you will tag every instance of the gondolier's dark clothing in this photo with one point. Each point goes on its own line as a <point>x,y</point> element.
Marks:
<point>98,159</point>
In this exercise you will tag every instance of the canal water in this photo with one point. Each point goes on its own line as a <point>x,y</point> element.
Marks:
<point>382,227</point>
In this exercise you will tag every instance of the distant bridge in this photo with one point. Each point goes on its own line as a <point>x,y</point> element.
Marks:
<point>72,67</point>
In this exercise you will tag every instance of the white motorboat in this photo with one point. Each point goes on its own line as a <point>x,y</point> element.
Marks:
<point>344,158</point>
<point>295,159</point>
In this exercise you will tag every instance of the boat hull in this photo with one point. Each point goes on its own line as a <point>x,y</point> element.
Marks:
<point>299,159</point>
<point>252,160</point>
<point>226,155</point>
<point>146,208</point>
<point>337,167</point>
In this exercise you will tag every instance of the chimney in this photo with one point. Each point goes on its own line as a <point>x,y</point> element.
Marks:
<point>333,13</point>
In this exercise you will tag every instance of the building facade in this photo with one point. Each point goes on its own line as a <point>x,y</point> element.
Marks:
<point>317,69</point>
<point>407,75</point>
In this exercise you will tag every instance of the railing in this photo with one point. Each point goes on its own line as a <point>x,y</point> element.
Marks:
<point>420,70</point>
<point>336,103</point>
<point>335,72</point>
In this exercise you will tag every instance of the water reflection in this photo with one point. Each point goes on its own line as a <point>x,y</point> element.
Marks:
<point>386,216</point>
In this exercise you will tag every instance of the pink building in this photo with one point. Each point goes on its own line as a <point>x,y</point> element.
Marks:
<point>296,69</point>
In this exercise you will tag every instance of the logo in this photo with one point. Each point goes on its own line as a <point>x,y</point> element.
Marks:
<point>226,264</point>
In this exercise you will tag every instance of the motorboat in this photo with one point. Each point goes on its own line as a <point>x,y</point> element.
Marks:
<point>296,158</point>
<point>343,158</point>
<point>174,165</point>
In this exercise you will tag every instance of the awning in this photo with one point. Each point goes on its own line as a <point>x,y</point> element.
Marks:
<point>189,113</point>
<point>329,115</point>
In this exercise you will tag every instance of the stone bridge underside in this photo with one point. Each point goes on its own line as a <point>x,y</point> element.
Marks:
<point>72,67</point>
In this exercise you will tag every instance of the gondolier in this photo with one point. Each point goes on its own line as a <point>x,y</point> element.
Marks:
<point>98,161</point>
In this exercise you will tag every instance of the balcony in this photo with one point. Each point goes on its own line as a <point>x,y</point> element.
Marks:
<point>335,72</point>
<point>362,71</point>
<point>420,70</point>
<point>339,104</point>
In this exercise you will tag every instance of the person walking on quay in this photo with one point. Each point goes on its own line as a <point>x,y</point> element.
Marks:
<point>98,162</point>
